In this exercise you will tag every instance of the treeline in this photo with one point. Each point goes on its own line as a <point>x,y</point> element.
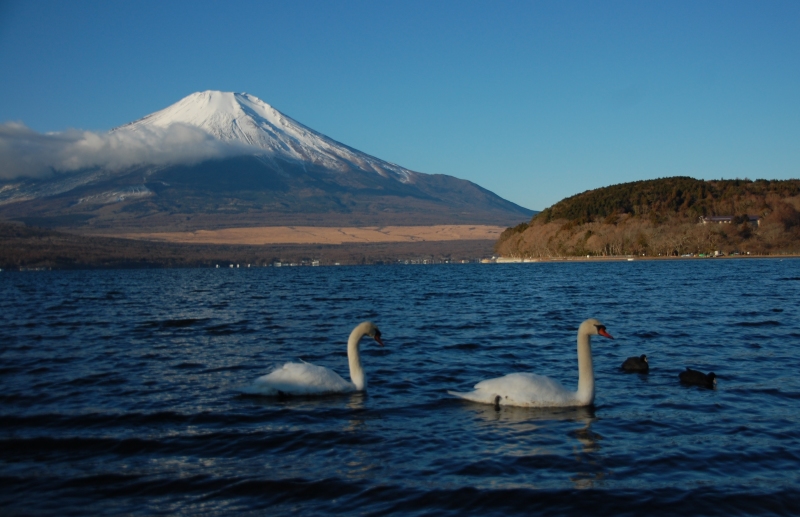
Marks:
<point>669,197</point>
<point>662,217</point>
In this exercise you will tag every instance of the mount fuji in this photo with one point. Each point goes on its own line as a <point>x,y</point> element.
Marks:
<point>219,159</point>
<point>245,121</point>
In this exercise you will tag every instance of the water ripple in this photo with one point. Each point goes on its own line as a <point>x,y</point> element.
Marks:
<point>122,391</point>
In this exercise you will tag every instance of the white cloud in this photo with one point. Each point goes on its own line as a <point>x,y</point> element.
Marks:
<point>26,153</point>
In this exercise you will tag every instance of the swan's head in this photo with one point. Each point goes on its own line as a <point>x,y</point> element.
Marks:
<point>374,333</point>
<point>593,327</point>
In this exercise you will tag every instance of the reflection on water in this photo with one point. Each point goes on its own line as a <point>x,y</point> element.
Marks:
<point>588,455</point>
<point>514,414</point>
<point>356,400</point>
<point>586,480</point>
<point>589,440</point>
<point>355,403</point>
<point>523,424</point>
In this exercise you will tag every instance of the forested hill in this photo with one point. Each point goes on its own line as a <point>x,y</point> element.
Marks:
<point>681,195</point>
<point>662,217</point>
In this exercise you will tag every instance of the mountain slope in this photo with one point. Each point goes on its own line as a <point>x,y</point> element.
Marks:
<point>257,167</point>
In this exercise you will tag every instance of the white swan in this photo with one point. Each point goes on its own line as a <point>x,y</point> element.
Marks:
<point>308,379</point>
<point>531,390</point>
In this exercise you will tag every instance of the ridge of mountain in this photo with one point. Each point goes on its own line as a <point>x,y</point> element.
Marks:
<point>243,163</point>
<point>243,119</point>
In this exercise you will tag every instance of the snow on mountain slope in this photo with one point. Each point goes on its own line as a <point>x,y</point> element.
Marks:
<point>217,159</point>
<point>242,119</point>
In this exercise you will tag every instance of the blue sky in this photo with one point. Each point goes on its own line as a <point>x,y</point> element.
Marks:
<point>535,101</point>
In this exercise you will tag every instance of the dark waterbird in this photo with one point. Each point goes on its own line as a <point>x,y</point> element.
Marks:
<point>636,364</point>
<point>698,378</point>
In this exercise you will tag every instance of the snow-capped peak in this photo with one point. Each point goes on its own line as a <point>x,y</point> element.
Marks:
<point>245,120</point>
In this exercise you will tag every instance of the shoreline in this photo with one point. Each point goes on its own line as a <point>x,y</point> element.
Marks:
<point>630,258</point>
<point>30,248</point>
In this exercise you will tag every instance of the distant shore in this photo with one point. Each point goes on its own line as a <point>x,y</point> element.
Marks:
<point>32,248</point>
<point>632,258</point>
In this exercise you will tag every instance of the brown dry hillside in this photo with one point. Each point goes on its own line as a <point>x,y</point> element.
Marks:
<point>663,217</point>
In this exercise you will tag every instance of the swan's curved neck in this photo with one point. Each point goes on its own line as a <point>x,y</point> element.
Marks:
<point>354,357</point>
<point>585,392</point>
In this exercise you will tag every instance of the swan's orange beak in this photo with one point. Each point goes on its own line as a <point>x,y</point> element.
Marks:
<point>602,332</point>
<point>377,337</point>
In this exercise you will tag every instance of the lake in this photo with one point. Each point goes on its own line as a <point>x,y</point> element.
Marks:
<point>122,392</point>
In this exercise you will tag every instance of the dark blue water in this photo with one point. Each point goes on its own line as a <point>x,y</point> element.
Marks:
<point>120,391</point>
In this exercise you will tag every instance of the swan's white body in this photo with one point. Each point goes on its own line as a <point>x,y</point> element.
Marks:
<point>531,390</point>
<point>308,379</point>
